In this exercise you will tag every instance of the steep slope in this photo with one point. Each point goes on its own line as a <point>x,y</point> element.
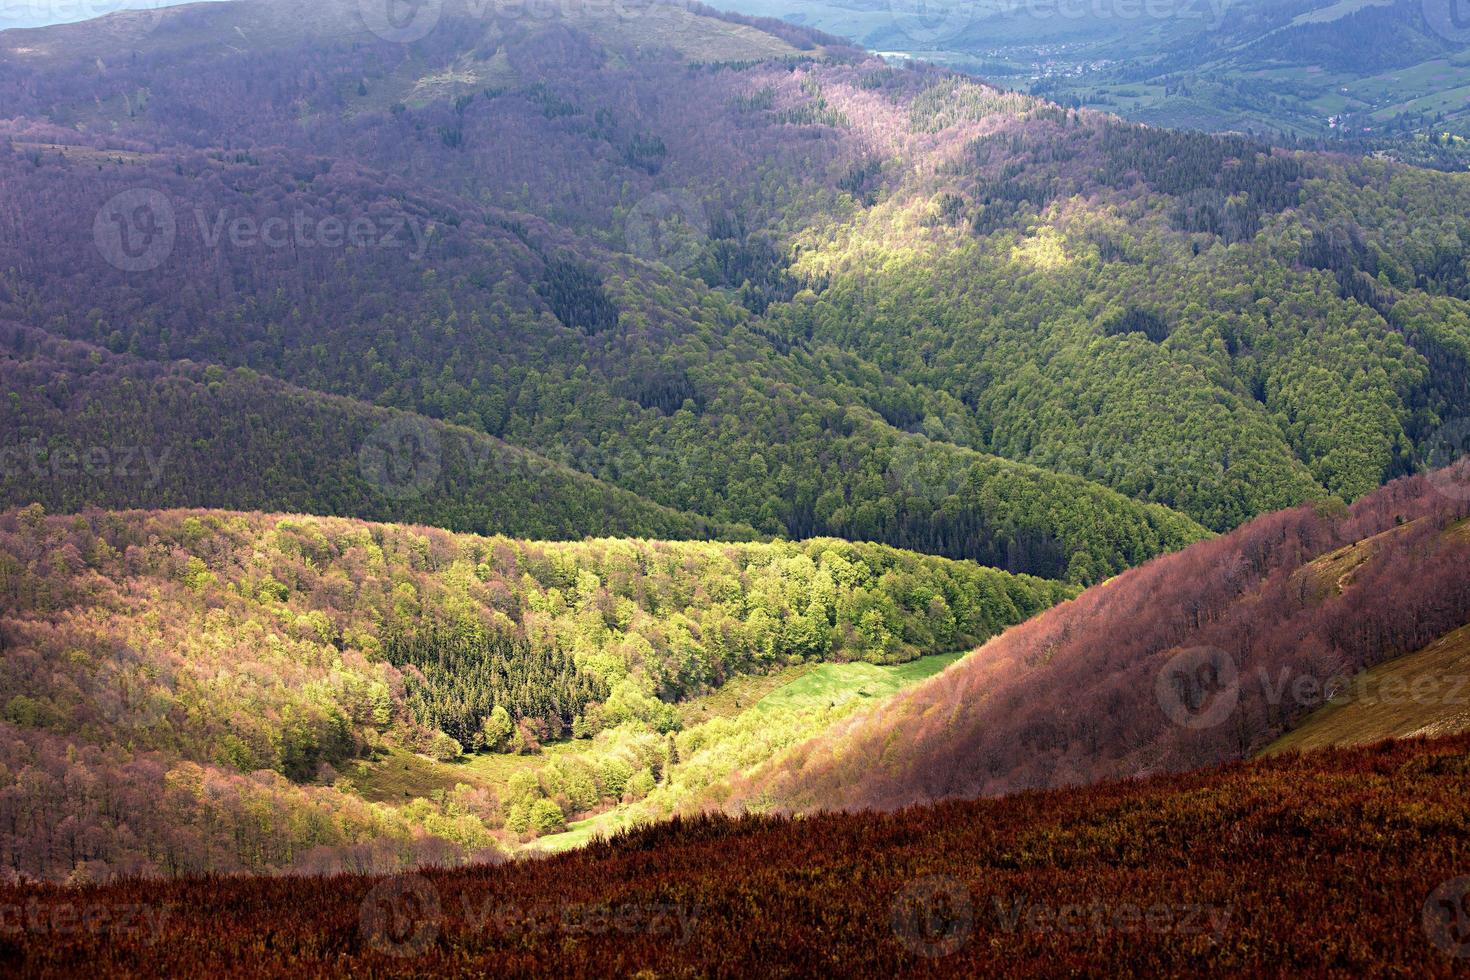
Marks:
<point>1249,870</point>
<point>1424,694</point>
<point>770,282</point>
<point>182,691</point>
<point>1193,659</point>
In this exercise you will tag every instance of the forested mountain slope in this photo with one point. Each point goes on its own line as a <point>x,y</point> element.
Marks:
<point>1194,659</point>
<point>94,429</point>
<point>183,691</point>
<point>756,277</point>
<point>1367,75</point>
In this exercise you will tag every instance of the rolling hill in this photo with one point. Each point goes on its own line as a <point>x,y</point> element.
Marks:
<point>94,429</point>
<point>187,692</point>
<point>1192,660</point>
<point>457,436</point>
<point>1419,695</point>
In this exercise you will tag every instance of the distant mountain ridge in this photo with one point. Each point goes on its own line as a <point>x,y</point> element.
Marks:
<point>1360,75</point>
<point>751,276</point>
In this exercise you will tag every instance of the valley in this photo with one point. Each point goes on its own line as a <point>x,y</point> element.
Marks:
<point>1382,76</point>
<point>636,489</point>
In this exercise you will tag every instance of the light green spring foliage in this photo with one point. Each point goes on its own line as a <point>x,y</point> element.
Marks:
<point>240,643</point>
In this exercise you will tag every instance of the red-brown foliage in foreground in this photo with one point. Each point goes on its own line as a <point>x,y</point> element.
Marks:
<point>1346,862</point>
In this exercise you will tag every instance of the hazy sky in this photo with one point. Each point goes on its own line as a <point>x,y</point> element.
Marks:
<point>38,13</point>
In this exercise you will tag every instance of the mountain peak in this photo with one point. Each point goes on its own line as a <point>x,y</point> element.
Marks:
<point>681,28</point>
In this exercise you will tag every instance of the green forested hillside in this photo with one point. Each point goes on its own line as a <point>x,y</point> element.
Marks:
<point>761,376</point>
<point>781,286</point>
<point>237,668</point>
<point>92,429</point>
